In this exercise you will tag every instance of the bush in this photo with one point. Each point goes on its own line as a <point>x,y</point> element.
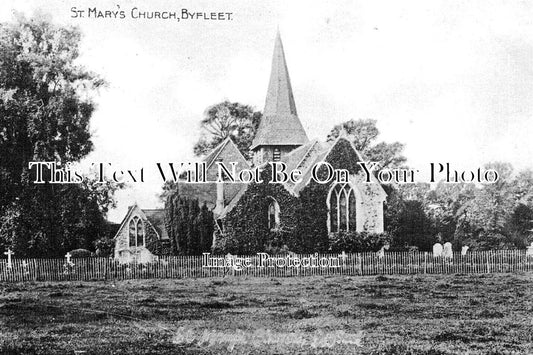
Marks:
<point>80,253</point>
<point>104,246</point>
<point>189,225</point>
<point>159,247</point>
<point>225,244</point>
<point>357,242</point>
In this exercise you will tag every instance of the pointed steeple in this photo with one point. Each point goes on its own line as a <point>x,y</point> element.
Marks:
<point>279,100</point>
<point>280,125</point>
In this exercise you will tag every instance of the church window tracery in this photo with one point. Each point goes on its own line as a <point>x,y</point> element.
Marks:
<point>342,208</point>
<point>136,232</point>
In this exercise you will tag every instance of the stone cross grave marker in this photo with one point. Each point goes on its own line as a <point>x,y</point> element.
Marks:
<point>343,256</point>
<point>9,253</point>
<point>68,256</point>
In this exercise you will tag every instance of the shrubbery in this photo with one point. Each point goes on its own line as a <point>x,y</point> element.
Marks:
<point>190,227</point>
<point>80,253</point>
<point>357,242</point>
<point>104,246</point>
<point>159,247</point>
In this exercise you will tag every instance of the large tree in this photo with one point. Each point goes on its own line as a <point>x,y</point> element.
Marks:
<point>228,119</point>
<point>487,220</point>
<point>45,110</point>
<point>364,134</point>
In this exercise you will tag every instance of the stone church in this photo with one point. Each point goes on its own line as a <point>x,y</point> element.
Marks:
<point>302,209</point>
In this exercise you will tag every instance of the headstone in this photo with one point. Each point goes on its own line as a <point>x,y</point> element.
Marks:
<point>381,253</point>
<point>437,250</point>
<point>9,253</point>
<point>68,256</point>
<point>343,256</point>
<point>464,249</point>
<point>448,252</point>
<point>529,250</point>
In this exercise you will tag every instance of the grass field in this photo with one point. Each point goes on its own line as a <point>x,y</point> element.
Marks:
<point>440,314</point>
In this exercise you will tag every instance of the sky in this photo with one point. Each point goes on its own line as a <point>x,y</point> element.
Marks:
<point>452,80</point>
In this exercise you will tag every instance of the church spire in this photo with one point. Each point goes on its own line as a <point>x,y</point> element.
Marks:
<point>280,99</point>
<point>280,125</point>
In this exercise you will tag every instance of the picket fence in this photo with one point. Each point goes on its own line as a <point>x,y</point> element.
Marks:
<point>175,267</point>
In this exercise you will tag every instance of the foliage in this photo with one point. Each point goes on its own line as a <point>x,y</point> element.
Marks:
<point>363,134</point>
<point>487,220</point>
<point>357,242</point>
<point>158,247</point>
<point>104,246</point>
<point>49,220</point>
<point>190,227</point>
<point>228,119</point>
<point>302,220</point>
<point>311,234</point>
<point>80,253</point>
<point>488,216</point>
<point>412,227</point>
<point>46,106</point>
<point>246,225</point>
<point>521,220</point>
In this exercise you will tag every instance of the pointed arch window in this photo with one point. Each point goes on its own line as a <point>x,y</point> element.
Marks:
<point>273,214</point>
<point>342,208</point>
<point>136,232</point>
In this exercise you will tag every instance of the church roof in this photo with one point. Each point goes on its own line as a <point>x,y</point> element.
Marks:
<point>304,159</point>
<point>307,156</point>
<point>157,218</point>
<point>280,124</point>
<point>213,155</point>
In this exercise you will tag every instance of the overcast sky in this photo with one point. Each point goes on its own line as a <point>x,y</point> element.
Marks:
<point>453,80</point>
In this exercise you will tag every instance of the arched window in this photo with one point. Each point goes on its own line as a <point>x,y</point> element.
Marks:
<point>136,232</point>
<point>342,208</point>
<point>132,232</point>
<point>273,214</point>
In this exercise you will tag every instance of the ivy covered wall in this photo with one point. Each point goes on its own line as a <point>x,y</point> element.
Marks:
<point>303,219</point>
<point>245,228</point>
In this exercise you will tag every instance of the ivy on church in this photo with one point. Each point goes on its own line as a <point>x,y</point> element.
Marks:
<point>189,226</point>
<point>245,229</point>
<point>303,219</point>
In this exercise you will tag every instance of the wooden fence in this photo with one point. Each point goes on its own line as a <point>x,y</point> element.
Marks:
<point>401,263</point>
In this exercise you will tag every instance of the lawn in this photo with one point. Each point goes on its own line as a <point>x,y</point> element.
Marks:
<point>430,314</point>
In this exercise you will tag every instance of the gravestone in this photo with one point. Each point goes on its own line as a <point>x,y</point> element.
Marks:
<point>437,250</point>
<point>448,252</point>
<point>9,254</point>
<point>464,249</point>
<point>529,250</point>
